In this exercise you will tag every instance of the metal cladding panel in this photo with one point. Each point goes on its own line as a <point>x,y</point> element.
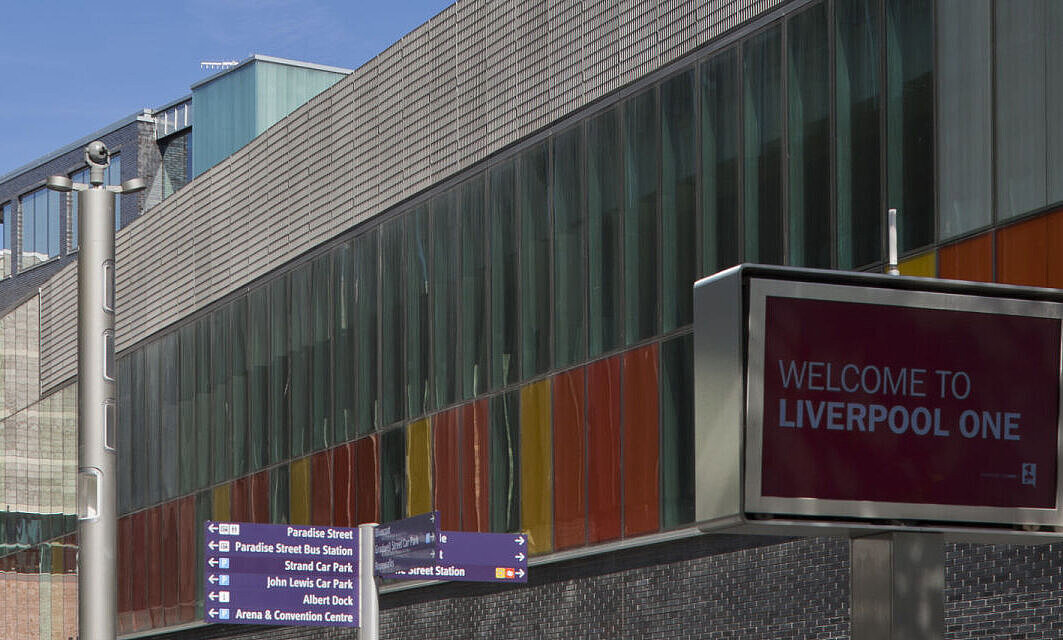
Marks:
<point>474,79</point>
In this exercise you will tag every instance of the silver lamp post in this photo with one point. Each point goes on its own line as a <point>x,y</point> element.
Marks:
<point>97,507</point>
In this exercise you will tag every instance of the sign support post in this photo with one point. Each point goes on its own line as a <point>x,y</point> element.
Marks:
<point>897,586</point>
<point>369,613</point>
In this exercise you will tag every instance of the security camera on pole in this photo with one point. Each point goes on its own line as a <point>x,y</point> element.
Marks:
<point>97,507</point>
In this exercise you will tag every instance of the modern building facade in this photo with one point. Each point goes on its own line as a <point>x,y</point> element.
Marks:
<point>460,279</point>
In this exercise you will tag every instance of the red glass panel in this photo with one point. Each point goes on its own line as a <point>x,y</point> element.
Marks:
<point>570,498</point>
<point>641,428</point>
<point>187,571</point>
<point>124,566</point>
<point>446,485</point>
<point>603,443</point>
<point>239,505</point>
<point>169,544</point>
<point>139,574</point>
<point>1031,252</point>
<point>367,485</point>
<point>153,526</point>
<point>258,497</point>
<point>343,485</point>
<point>475,508</point>
<point>321,488</point>
<point>970,259</point>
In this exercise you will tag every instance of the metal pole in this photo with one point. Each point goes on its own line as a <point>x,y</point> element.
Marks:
<point>897,587</point>
<point>891,221</point>
<point>369,611</point>
<point>97,494</point>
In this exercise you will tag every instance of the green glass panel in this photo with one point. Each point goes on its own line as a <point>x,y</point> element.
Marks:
<point>605,181</point>
<point>641,233</point>
<point>721,228</point>
<point>238,389</point>
<point>677,431</point>
<point>505,276</point>
<point>279,502</point>
<point>186,408</point>
<point>299,347</point>
<point>170,434</point>
<point>392,383</point>
<point>279,382</point>
<point>418,316</point>
<point>504,443</point>
<point>152,424</point>
<point>125,441</point>
<point>343,372</point>
<point>679,216</point>
<point>475,337</point>
<point>534,261</point>
<point>258,374</point>
<point>763,127</point>
<point>446,380</point>
<point>366,255</point>
<point>138,435</point>
<point>392,475</point>
<point>321,352</point>
<point>570,249</point>
<point>220,423</point>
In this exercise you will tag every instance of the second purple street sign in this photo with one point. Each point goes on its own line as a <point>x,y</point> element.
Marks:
<point>474,557</point>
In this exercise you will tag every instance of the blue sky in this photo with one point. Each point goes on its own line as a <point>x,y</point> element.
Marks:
<point>69,68</point>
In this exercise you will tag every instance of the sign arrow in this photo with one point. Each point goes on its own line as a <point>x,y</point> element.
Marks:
<point>520,573</point>
<point>213,613</point>
<point>212,579</point>
<point>212,527</point>
<point>520,556</point>
<point>213,545</point>
<point>519,540</point>
<point>212,596</point>
<point>212,562</point>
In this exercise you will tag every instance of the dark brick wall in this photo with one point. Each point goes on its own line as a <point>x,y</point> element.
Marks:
<point>128,140</point>
<point>716,587</point>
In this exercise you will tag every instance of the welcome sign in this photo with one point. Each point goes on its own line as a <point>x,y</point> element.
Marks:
<point>843,399</point>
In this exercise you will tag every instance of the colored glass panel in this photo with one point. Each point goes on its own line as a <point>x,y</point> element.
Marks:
<point>258,498</point>
<point>970,259</point>
<point>505,460</point>
<point>221,503</point>
<point>258,389</point>
<point>124,567</point>
<point>720,162</point>
<point>392,275</point>
<point>474,357</point>
<point>570,248</point>
<point>279,495</point>
<point>343,369</point>
<point>475,504</point>
<point>153,544</point>
<point>505,276</point>
<point>204,511</point>
<point>446,436</point>
<point>187,569</point>
<point>569,459</point>
<point>393,475</point>
<point>763,138</point>
<point>169,437</point>
<point>168,545</point>
<point>446,380</point>
<point>1029,253</point>
<point>534,261</point>
<point>321,488</point>
<point>343,485</point>
<point>239,507</point>
<point>603,448</point>
<point>220,425</point>
<point>922,266</point>
<point>536,468</point>
<point>366,467</point>
<point>677,431</point>
<point>366,254</point>
<point>298,491</point>
<point>679,204</point>
<point>279,388</point>
<point>641,437</point>
<point>604,237</point>
<point>138,568</point>
<point>299,379</point>
<point>418,312</point>
<point>418,467</point>
<point>641,258</point>
<point>321,348</point>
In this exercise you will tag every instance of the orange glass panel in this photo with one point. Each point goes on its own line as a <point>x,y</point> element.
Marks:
<point>921,266</point>
<point>536,468</point>
<point>366,468</point>
<point>139,570</point>
<point>570,497</point>
<point>258,497</point>
<point>1031,252</point>
<point>154,560</point>
<point>475,445</point>
<point>299,491</point>
<point>446,435</point>
<point>124,567</point>
<point>418,467</point>
<point>603,440</point>
<point>970,259</point>
<point>321,488</point>
<point>343,485</point>
<point>169,545</point>
<point>641,433</point>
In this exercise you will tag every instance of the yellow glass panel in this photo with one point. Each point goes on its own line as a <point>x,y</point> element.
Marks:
<point>536,467</point>
<point>418,467</point>
<point>923,266</point>
<point>299,491</point>
<point>222,497</point>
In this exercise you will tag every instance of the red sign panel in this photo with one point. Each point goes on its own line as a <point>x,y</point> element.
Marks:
<point>902,404</point>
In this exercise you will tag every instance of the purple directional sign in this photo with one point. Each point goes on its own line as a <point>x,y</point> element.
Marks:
<point>408,543</point>
<point>474,557</point>
<point>278,574</point>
